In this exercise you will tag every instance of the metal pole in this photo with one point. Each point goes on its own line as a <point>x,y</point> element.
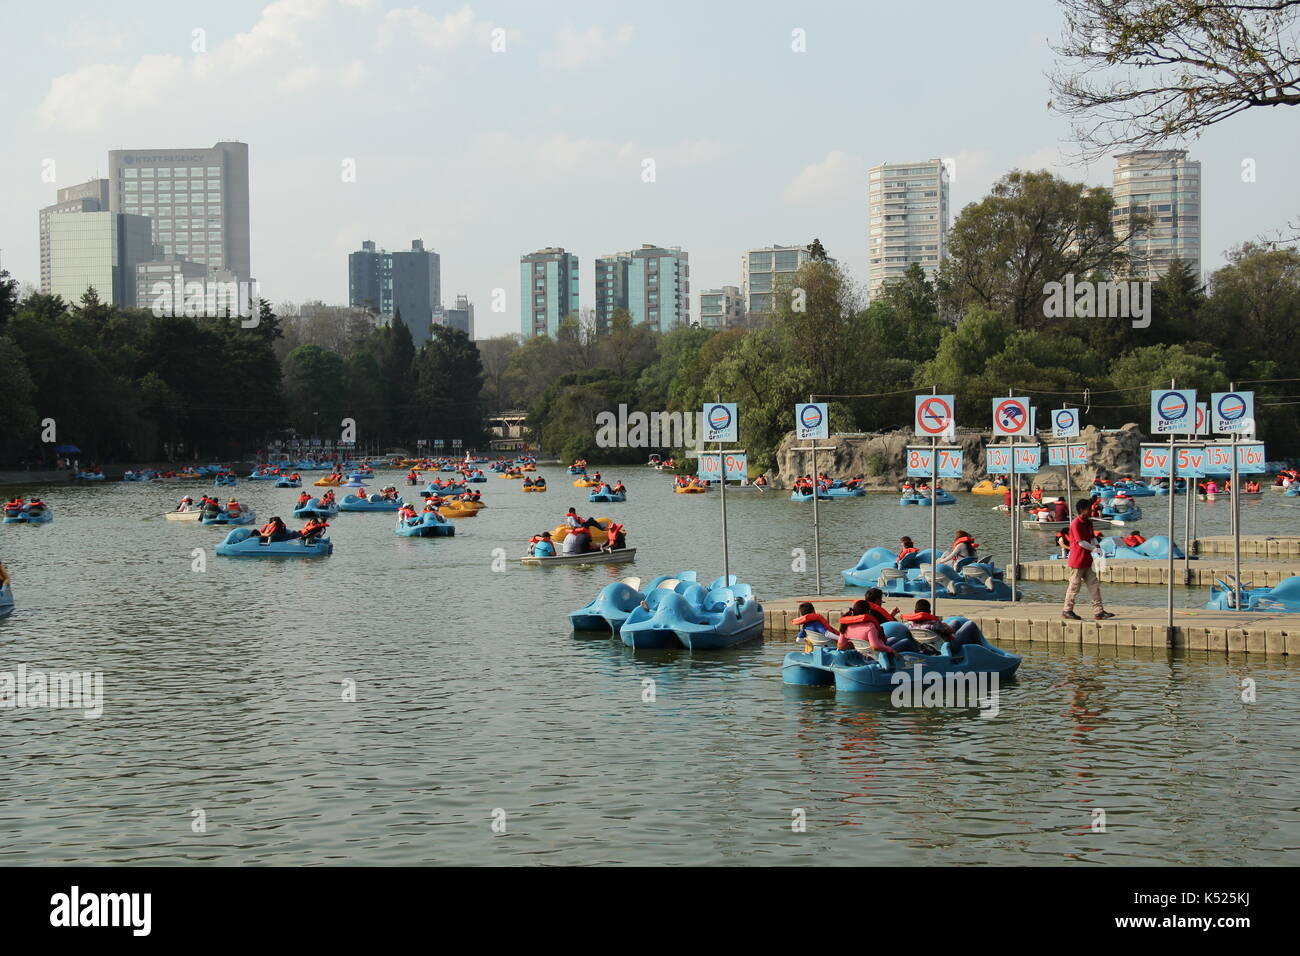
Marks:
<point>934,523</point>
<point>1169,589</point>
<point>817,533</point>
<point>1187,524</point>
<point>1014,570</point>
<point>722,491</point>
<point>1236,527</point>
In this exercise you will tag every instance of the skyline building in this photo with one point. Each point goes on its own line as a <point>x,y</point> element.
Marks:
<point>459,316</point>
<point>98,249</point>
<point>1164,186</point>
<point>652,283</point>
<point>722,308</point>
<point>90,196</point>
<point>548,290</point>
<point>907,220</point>
<point>406,283</point>
<point>197,198</point>
<point>762,271</point>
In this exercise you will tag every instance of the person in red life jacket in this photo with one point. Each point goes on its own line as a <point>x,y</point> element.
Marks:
<point>313,529</point>
<point>274,530</point>
<point>1094,508</point>
<point>407,511</point>
<point>873,599</point>
<point>1063,542</point>
<point>861,624</point>
<point>304,498</point>
<point>907,548</point>
<point>963,549</point>
<point>233,508</point>
<point>615,537</point>
<point>431,504</point>
<point>810,622</point>
<point>761,481</point>
<point>1037,495</point>
<point>1083,541</point>
<point>1060,510</point>
<point>577,541</point>
<point>908,488</point>
<point>1006,497</point>
<point>571,518</point>
<point>967,633</point>
<point>1134,539</point>
<point>328,499</point>
<point>1024,498</point>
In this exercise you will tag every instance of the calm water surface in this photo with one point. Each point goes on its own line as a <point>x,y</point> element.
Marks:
<point>223,693</point>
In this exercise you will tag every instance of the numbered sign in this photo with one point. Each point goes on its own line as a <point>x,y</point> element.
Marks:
<point>1173,412</point>
<point>997,459</point>
<point>1028,458</point>
<point>710,465</point>
<point>950,462</point>
<point>811,421</point>
<point>1233,412</point>
<point>1065,423</point>
<point>1218,459</point>
<point>934,416</point>
<point>1250,459</point>
<point>1059,456</point>
<point>720,422</point>
<point>1011,416</point>
<point>1189,462</point>
<point>920,462</point>
<point>1155,460</point>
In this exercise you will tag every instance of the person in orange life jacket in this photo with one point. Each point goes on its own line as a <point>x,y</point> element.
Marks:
<point>908,488</point>
<point>862,624</point>
<point>274,530</point>
<point>313,529</point>
<point>1024,498</point>
<point>1037,494</point>
<point>1082,544</point>
<point>619,489</point>
<point>528,482</point>
<point>963,547</point>
<point>185,504</point>
<point>304,498</point>
<point>810,621</point>
<point>233,508</point>
<point>577,541</point>
<point>873,597</point>
<point>967,633</point>
<point>1134,539</point>
<point>1006,498</point>
<point>616,537</point>
<point>36,507</point>
<point>907,548</point>
<point>1093,510</point>
<point>571,518</point>
<point>407,511</point>
<point>1063,542</point>
<point>431,504</point>
<point>1060,510</point>
<point>542,546</point>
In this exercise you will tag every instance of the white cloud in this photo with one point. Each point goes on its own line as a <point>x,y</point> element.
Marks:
<point>840,177</point>
<point>576,48</point>
<point>277,52</point>
<point>448,33</point>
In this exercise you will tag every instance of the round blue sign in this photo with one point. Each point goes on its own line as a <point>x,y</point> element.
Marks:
<point>811,416</point>
<point>1171,406</point>
<point>1231,407</point>
<point>1065,418</point>
<point>719,418</point>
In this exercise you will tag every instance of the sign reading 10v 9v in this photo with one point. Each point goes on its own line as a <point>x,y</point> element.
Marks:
<point>1173,412</point>
<point>720,422</point>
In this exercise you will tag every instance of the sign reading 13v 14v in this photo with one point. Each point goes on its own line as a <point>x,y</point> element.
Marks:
<point>720,422</point>
<point>811,421</point>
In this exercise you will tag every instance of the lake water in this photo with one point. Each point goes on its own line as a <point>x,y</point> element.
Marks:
<point>223,693</point>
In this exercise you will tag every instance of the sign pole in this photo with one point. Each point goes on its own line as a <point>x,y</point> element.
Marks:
<point>1187,524</point>
<point>722,493</point>
<point>1015,521</point>
<point>817,532</point>
<point>1169,590</point>
<point>934,523</point>
<point>1236,516</point>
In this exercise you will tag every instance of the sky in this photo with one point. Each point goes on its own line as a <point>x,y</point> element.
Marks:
<point>494,129</point>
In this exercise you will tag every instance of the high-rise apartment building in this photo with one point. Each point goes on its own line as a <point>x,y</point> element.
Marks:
<point>611,286</point>
<point>722,308</point>
<point>197,199</point>
<point>459,316</point>
<point>99,250</point>
<point>907,220</point>
<point>764,271</point>
<point>407,283</point>
<point>652,283</point>
<point>1163,187</point>
<point>90,196</point>
<point>548,290</point>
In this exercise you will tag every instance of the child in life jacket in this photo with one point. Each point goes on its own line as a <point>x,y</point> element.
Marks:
<point>810,622</point>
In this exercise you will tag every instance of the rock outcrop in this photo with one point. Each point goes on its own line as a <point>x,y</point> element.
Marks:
<point>882,457</point>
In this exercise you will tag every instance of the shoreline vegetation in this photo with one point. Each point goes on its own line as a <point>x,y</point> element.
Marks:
<point>124,385</point>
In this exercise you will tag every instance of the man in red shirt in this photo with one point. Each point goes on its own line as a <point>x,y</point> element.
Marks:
<point>1082,544</point>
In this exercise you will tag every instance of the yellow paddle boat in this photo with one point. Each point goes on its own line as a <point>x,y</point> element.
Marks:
<point>690,489</point>
<point>598,535</point>
<point>511,474</point>
<point>586,483</point>
<point>987,487</point>
<point>328,482</point>
<point>535,487</point>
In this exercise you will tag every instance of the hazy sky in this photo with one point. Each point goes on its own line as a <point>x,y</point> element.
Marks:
<point>486,155</point>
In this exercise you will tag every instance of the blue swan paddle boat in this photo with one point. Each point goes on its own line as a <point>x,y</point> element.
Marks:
<point>855,671</point>
<point>223,517</point>
<point>1285,596</point>
<point>314,509</point>
<point>245,543</point>
<point>25,515</point>
<point>372,503</point>
<point>695,618</point>
<point>607,496</point>
<point>429,524</point>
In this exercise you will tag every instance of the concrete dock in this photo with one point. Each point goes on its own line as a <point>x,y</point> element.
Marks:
<point>1202,572</point>
<point>1242,633</point>
<point>1252,545</point>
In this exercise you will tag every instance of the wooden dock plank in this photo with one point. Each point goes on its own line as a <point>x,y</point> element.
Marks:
<point>1201,573</point>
